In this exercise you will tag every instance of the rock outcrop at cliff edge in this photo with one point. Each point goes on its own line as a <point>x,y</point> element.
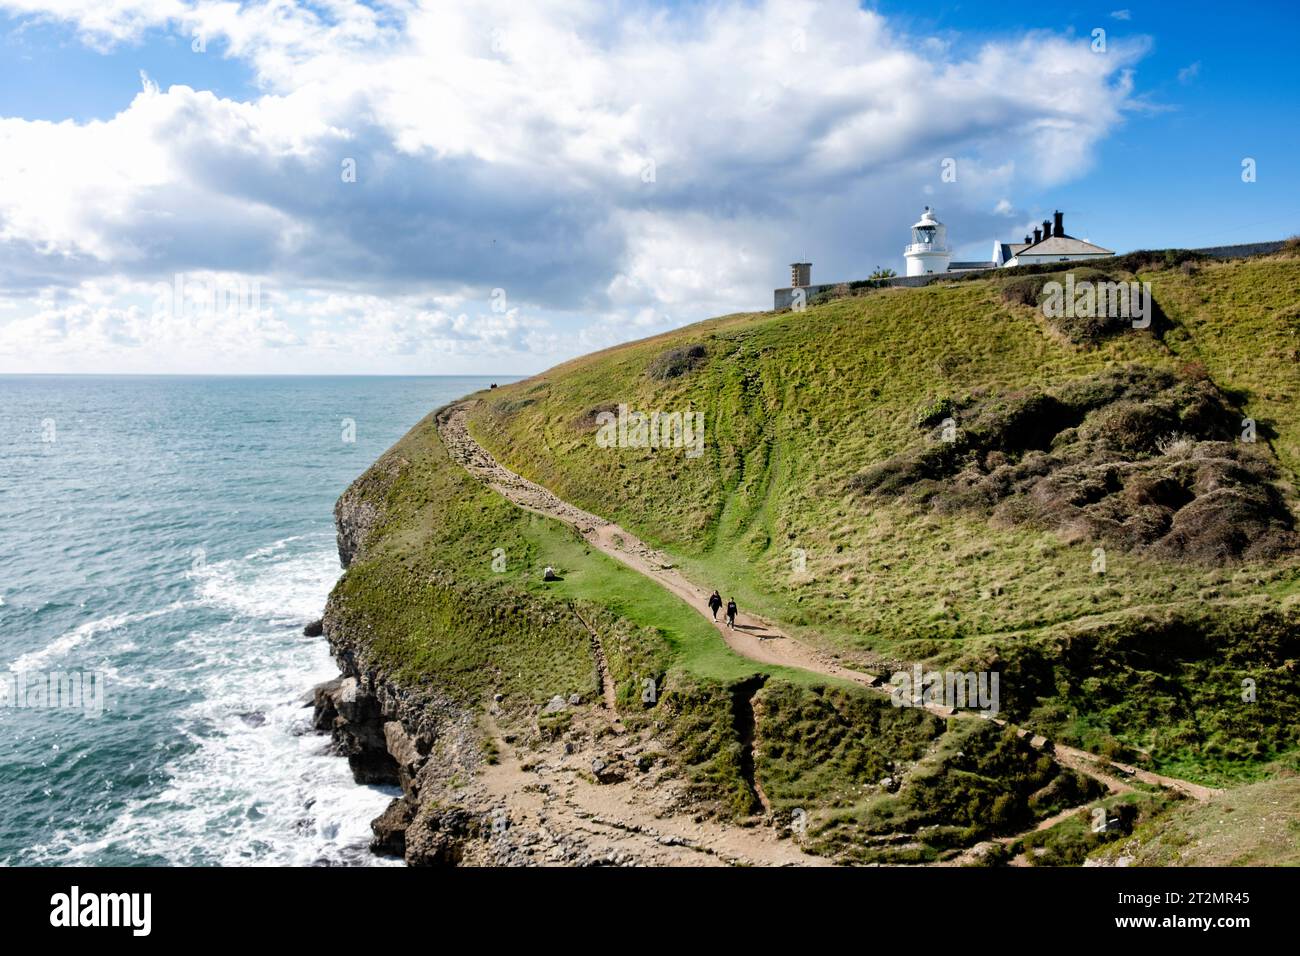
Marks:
<point>416,739</point>
<point>356,512</point>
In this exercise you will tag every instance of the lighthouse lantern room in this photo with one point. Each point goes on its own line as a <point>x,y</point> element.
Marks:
<point>928,251</point>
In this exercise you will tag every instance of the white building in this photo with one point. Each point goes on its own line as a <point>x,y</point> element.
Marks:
<point>928,251</point>
<point>929,254</point>
<point>1049,243</point>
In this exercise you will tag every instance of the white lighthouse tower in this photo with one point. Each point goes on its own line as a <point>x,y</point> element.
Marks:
<point>928,251</point>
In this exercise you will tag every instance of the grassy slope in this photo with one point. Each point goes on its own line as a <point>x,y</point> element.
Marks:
<point>426,586</point>
<point>425,594</point>
<point>798,403</point>
<point>1242,320</point>
<point>1254,825</point>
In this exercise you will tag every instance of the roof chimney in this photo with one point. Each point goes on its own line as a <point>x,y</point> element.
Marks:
<point>1028,240</point>
<point>1058,226</point>
<point>1038,234</point>
<point>1047,229</point>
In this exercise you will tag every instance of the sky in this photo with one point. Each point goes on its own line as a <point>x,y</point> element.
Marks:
<point>491,187</point>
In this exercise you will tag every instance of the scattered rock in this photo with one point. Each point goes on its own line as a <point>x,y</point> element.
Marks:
<point>554,705</point>
<point>315,629</point>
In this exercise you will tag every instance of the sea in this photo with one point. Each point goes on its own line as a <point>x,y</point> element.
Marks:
<point>163,542</point>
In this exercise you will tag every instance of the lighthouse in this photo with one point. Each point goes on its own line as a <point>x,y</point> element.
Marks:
<point>928,251</point>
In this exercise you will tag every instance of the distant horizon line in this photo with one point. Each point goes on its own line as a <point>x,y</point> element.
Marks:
<point>263,375</point>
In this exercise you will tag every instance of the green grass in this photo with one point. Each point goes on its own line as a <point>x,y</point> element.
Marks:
<point>1242,320</point>
<point>592,577</point>
<point>1144,662</point>
<point>797,404</point>
<point>1249,826</point>
<point>1072,840</point>
<point>438,613</point>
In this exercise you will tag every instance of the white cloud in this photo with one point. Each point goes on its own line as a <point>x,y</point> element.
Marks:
<point>506,145</point>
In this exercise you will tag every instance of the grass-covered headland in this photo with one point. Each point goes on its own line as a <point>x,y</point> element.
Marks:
<point>939,475</point>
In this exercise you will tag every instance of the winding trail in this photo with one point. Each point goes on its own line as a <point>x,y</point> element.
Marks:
<point>753,637</point>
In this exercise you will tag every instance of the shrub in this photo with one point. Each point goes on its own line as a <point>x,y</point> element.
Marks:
<point>1023,290</point>
<point>676,362</point>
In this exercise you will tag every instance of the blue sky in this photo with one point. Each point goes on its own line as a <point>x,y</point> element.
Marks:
<point>1217,91</point>
<point>536,181</point>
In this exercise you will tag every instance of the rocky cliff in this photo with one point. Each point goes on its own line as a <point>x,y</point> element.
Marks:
<point>390,733</point>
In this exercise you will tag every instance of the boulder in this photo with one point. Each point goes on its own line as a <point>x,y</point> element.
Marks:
<point>402,746</point>
<point>390,828</point>
<point>355,720</point>
<point>607,772</point>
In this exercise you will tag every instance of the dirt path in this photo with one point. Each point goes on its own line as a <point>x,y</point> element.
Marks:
<point>608,691</point>
<point>753,637</point>
<point>559,815</point>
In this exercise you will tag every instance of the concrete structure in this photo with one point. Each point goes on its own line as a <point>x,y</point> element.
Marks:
<point>928,251</point>
<point>800,274</point>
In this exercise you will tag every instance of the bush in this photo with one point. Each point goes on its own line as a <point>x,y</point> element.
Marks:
<point>677,362</point>
<point>1023,290</point>
<point>1136,458</point>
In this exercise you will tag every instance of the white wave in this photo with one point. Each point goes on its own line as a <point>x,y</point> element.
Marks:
<point>280,589</point>
<point>61,645</point>
<point>274,547</point>
<point>258,787</point>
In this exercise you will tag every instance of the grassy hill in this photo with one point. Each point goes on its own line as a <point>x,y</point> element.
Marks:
<point>822,435</point>
<point>1253,825</point>
<point>947,462</point>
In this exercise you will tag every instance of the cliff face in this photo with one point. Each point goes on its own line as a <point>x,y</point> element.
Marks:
<point>391,733</point>
<point>356,512</point>
<point>417,741</point>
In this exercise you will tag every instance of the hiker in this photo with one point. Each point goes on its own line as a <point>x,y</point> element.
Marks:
<point>731,613</point>
<point>715,604</point>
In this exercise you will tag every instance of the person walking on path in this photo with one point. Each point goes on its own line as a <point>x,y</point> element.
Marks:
<point>715,604</point>
<point>731,613</point>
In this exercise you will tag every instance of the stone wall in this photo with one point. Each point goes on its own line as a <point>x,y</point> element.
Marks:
<point>1246,249</point>
<point>784,298</point>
